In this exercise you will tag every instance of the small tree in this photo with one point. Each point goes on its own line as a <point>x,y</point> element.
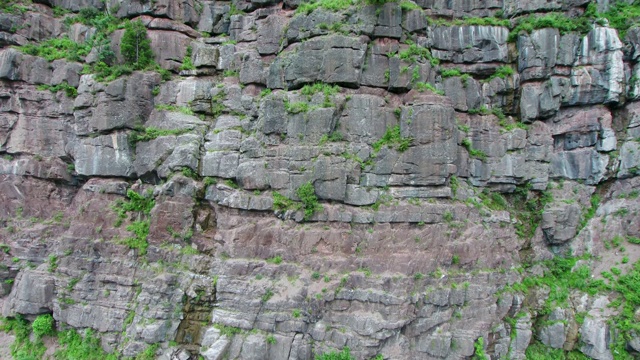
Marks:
<point>135,45</point>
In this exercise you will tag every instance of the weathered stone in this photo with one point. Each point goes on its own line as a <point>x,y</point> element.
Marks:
<point>333,59</point>
<point>461,44</point>
<point>106,155</point>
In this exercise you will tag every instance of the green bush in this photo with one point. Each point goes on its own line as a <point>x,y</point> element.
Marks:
<point>187,64</point>
<point>135,45</point>
<point>43,325</point>
<point>345,354</point>
<point>393,137</point>
<point>307,195</point>
<point>150,133</point>
<point>73,346</point>
<point>69,90</point>
<point>58,48</point>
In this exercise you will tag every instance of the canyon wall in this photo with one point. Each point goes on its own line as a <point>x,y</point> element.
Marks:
<point>295,178</point>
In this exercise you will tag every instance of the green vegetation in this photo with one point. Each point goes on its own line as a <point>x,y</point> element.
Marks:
<point>149,353</point>
<point>407,5</point>
<point>58,48</point>
<point>446,73</point>
<point>275,260</point>
<point>478,154</point>
<point>267,295</point>
<point>589,213</point>
<point>505,123</point>
<point>537,351</point>
<point>332,137</point>
<point>10,7</point>
<point>228,331</point>
<point>53,263</point>
<point>150,133</point>
<point>74,346</point>
<point>135,45</point>
<point>308,201</point>
<point>43,325</point>
<point>326,89</point>
<point>393,138</point>
<point>559,21</point>
<point>422,86</point>
<point>23,348</point>
<point>141,205</point>
<point>296,107</point>
<point>307,195</point>
<point>187,64</point>
<point>623,16</point>
<point>332,5</point>
<point>136,203</point>
<point>182,109</point>
<point>345,354</point>
<point>502,72</point>
<point>479,350</point>
<point>69,90</point>
<point>140,229</point>
<point>416,53</point>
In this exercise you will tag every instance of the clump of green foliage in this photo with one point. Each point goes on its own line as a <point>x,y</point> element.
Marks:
<point>181,109</point>
<point>416,53</point>
<point>393,138</point>
<point>58,48</point>
<point>589,213</point>
<point>476,153</point>
<point>622,16</point>
<point>11,7</point>
<point>140,230</point>
<point>43,325</point>
<point>136,203</point>
<point>23,347</point>
<point>69,90</point>
<point>307,194</point>
<point>141,205</point>
<point>446,73</point>
<point>228,331</point>
<point>528,207</point>
<point>479,350</point>
<point>559,21</point>
<point>407,5</point>
<point>308,201</point>
<point>502,72</point>
<point>332,5</point>
<point>150,133</point>
<point>345,354</point>
<point>187,64</point>
<point>326,89</point>
<point>74,346</point>
<point>135,45</point>
<point>296,107</point>
<point>422,86</point>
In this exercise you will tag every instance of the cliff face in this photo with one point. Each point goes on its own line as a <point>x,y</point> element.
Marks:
<point>409,180</point>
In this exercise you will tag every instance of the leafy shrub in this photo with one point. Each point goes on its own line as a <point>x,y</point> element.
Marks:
<point>43,325</point>
<point>306,193</point>
<point>345,354</point>
<point>140,229</point>
<point>58,48</point>
<point>150,133</point>
<point>135,45</point>
<point>393,137</point>
<point>73,346</point>
<point>69,90</point>
<point>187,64</point>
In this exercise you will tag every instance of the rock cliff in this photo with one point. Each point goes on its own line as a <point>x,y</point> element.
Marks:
<point>393,180</point>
